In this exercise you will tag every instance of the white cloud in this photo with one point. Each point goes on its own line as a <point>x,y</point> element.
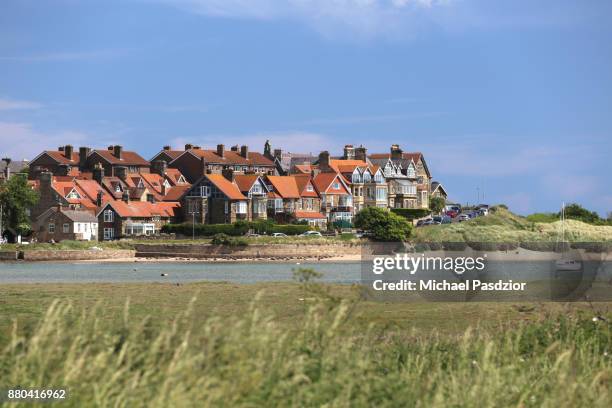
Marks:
<point>21,141</point>
<point>12,104</point>
<point>364,17</point>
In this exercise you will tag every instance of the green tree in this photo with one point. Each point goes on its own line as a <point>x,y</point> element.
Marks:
<point>383,225</point>
<point>16,197</point>
<point>436,204</point>
<point>577,212</point>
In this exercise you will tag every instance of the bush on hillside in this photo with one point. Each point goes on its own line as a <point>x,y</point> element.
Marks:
<point>223,239</point>
<point>206,230</point>
<point>411,213</point>
<point>383,225</point>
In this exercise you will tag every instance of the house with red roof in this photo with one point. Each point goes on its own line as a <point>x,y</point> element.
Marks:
<point>125,218</point>
<point>117,162</point>
<point>215,199</point>
<point>294,198</point>
<point>336,197</point>
<point>60,162</point>
<point>255,189</point>
<point>195,162</point>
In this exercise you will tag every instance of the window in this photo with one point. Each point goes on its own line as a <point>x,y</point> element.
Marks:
<point>73,195</point>
<point>257,189</point>
<point>309,187</point>
<point>108,216</point>
<point>140,229</point>
<point>241,207</point>
<point>226,207</point>
<point>336,186</point>
<point>367,178</point>
<point>51,228</point>
<point>66,228</point>
<point>192,206</point>
<point>109,233</point>
<point>381,194</point>
<point>379,178</point>
<point>204,191</point>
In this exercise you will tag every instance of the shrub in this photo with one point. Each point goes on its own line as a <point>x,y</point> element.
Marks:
<point>207,230</point>
<point>543,217</point>
<point>223,239</point>
<point>384,225</point>
<point>411,213</point>
<point>436,204</point>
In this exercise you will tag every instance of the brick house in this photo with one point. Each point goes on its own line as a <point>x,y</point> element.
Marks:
<point>120,219</point>
<point>336,197</point>
<point>116,162</point>
<point>68,193</point>
<point>59,224</point>
<point>254,188</point>
<point>213,199</point>
<point>195,162</point>
<point>294,198</point>
<point>438,190</point>
<point>61,162</point>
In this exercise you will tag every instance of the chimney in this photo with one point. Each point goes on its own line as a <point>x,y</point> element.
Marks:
<point>110,148</point>
<point>324,161</point>
<point>166,148</point>
<point>278,153</point>
<point>244,151</point>
<point>61,148</point>
<point>99,198</point>
<point>349,152</point>
<point>7,170</point>
<point>121,172</point>
<point>196,147</point>
<point>396,152</point>
<point>98,173</point>
<point>125,197</point>
<point>83,153</point>
<point>221,150</point>
<point>202,166</point>
<point>268,150</point>
<point>117,151</point>
<point>234,148</point>
<point>159,167</point>
<point>68,149</point>
<point>188,146</point>
<point>63,170</point>
<point>361,153</point>
<point>228,174</point>
<point>45,179</point>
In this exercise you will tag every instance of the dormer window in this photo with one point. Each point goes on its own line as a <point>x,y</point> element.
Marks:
<point>336,186</point>
<point>309,188</point>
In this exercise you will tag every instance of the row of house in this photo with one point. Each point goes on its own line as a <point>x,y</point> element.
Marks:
<point>112,193</point>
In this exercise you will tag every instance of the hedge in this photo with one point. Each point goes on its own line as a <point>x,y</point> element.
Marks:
<point>411,213</point>
<point>237,229</point>
<point>206,230</point>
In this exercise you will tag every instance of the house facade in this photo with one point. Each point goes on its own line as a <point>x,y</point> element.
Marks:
<point>125,219</point>
<point>59,224</point>
<point>214,199</point>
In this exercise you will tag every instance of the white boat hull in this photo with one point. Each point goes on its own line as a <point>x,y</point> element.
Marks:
<point>568,265</point>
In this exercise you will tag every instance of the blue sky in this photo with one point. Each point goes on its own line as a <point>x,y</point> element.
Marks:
<point>510,98</point>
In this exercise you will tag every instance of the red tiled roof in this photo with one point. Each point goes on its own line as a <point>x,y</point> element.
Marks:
<point>145,209</point>
<point>245,181</point>
<point>173,175</point>
<point>304,168</point>
<point>285,186</point>
<point>302,181</point>
<point>309,214</point>
<point>175,193</point>
<point>127,158</point>
<point>228,188</point>
<point>60,157</point>
<point>231,157</point>
<point>323,181</point>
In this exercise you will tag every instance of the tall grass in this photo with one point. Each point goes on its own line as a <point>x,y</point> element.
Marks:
<point>251,361</point>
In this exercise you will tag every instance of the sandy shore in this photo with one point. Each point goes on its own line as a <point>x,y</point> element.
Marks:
<point>339,258</point>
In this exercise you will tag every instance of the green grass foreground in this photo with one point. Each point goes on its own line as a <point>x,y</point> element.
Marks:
<point>221,344</point>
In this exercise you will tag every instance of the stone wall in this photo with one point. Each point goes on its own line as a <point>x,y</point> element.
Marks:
<point>74,255</point>
<point>269,251</point>
<point>8,255</point>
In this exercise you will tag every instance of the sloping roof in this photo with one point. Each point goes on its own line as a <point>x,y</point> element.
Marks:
<point>303,168</point>
<point>302,181</point>
<point>173,154</point>
<point>323,181</point>
<point>435,185</point>
<point>245,181</point>
<point>176,193</point>
<point>80,215</point>
<point>228,188</point>
<point>286,186</point>
<point>59,157</point>
<point>143,209</point>
<point>127,158</point>
<point>173,176</point>
<point>231,157</point>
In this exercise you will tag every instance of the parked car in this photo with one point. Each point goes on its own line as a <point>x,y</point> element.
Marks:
<point>437,220</point>
<point>463,217</point>
<point>253,235</point>
<point>420,223</point>
<point>446,220</point>
<point>279,235</point>
<point>311,234</point>
<point>452,213</point>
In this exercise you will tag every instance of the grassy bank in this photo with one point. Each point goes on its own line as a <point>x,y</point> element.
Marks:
<point>504,226</point>
<point>297,346</point>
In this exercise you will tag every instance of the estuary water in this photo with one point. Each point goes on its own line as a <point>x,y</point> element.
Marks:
<point>177,272</point>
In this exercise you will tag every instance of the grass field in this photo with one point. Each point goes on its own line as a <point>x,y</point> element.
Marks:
<point>221,344</point>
